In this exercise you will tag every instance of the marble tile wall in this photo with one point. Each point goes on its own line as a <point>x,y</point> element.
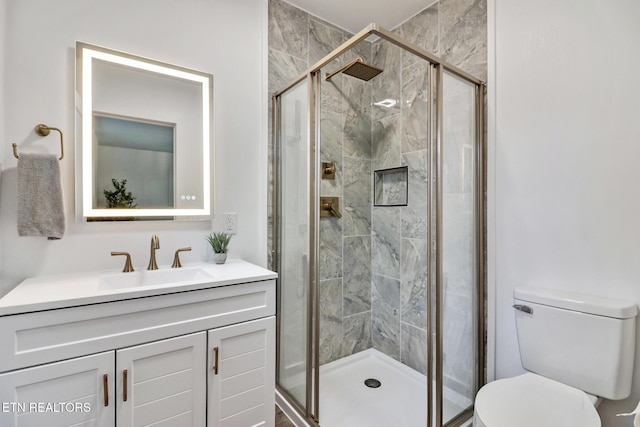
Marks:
<point>399,234</point>
<point>345,327</point>
<point>373,260</point>
<point>296,41</point>
<point>456,31</point>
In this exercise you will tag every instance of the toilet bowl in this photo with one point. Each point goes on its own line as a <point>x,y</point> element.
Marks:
<point>531,400</point>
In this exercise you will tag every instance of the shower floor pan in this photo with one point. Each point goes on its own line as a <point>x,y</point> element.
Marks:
<point>400,401</point>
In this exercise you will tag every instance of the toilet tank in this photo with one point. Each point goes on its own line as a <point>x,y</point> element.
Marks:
<point>584,341</point>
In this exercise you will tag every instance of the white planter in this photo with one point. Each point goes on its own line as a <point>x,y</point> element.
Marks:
<point>219,258</point>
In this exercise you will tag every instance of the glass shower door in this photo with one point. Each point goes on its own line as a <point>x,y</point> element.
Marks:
<point>293,240</point>
<point>460,232</point>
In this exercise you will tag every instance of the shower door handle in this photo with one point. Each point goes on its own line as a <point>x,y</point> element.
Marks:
<point>302,284</point>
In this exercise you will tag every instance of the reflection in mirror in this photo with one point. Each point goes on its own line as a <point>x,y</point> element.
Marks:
<point>145,132</point>
<point>139,152</point>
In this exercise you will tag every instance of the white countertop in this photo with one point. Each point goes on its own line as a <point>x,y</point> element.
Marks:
<point>69,290</point>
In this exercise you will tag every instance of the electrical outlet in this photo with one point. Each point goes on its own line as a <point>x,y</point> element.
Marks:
<point>231,222</point>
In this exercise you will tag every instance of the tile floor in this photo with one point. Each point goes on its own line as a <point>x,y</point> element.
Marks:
<point>281,419</point>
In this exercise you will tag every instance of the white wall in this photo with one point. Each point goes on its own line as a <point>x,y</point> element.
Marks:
<point>566,152</point>
<point>226,38</point>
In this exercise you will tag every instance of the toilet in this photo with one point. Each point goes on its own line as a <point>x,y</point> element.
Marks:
<point>577,349</point>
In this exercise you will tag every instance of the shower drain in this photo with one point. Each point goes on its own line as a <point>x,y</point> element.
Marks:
<point>372,383</point>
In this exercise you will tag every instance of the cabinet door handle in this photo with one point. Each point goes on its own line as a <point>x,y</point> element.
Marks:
<point>124,385</point>
<point>215,360</point>
<point>105,387</point>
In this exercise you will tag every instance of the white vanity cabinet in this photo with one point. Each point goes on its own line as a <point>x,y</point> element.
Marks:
<point>159,382</point>
<point>162,383</point>
<point>241,376</point>
<point>87,383</point>
<point>201,357</point>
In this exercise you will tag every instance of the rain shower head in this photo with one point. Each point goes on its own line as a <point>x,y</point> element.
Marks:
<point>358,69</point>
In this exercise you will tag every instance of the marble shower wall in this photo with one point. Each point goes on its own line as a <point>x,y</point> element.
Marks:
<point>373,260</point>
<point>296,41</point>
<point>345,243</point>
<point>456,31</point>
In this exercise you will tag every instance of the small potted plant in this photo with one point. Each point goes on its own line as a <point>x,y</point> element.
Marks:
<point>219,243</point>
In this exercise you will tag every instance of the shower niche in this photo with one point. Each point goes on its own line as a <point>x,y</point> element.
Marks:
<point>391,240</point>
<point>391,187</point>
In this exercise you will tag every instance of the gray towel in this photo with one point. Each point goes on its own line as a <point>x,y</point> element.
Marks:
<point>40,206</point>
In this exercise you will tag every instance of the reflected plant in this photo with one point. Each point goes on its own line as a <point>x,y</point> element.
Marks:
<point>119,197</point>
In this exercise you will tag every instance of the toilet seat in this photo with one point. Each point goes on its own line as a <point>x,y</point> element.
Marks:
<point>530,400</point>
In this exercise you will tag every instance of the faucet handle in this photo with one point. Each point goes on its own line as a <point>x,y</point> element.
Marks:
<point>176,257</point>
<point>127,264</point>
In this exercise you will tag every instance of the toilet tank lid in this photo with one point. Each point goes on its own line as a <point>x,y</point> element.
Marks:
<point>590,304</point>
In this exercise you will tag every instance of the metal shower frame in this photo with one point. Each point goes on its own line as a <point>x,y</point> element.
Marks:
<point>437,67</point>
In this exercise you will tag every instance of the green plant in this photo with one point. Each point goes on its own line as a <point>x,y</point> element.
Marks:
<point>219,242</point>
<point>119,197</point>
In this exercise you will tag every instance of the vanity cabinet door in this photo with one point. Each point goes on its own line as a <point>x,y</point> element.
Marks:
<point>241,378</point>
<point>75,392</point>
<point>163,383</point>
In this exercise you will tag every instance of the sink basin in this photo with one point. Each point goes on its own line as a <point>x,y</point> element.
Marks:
<point>154,278</point>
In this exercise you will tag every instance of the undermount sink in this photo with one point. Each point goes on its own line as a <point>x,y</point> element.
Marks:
<point>154,278</point>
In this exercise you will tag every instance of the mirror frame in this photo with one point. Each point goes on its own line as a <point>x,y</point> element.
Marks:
<point>85,54</point>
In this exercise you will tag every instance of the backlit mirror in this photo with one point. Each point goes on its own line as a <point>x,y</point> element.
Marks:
<point>145,137</point>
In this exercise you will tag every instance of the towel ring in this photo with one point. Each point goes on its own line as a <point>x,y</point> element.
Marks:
<point>43,130</point>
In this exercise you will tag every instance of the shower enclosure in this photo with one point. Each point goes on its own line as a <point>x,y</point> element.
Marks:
<point>378,237</point>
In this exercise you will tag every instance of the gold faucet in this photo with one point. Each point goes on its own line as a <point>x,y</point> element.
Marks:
<point>176,257</point>
<point>128,267</point>
<point>155,244</point>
